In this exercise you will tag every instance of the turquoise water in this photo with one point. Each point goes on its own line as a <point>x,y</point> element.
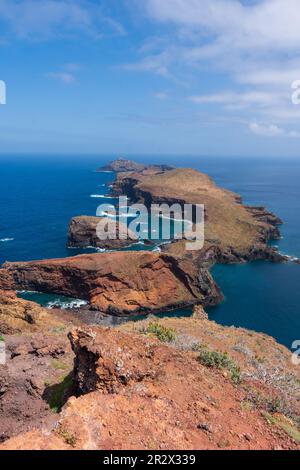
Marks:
<point>39,197</point>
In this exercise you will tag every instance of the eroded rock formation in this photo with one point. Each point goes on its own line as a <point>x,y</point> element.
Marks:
<point>133,392</point>
<point>32,381</point>
<point>20,316</point>
<point>83,233</point>
<point>123,165</point>
<point>119,282</point>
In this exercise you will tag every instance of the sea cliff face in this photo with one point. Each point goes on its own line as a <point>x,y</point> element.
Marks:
<point>82,233</point>
<point>118,283</point>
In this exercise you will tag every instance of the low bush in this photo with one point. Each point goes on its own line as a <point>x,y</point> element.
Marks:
<point>164,334</point>
<point>219,360</point>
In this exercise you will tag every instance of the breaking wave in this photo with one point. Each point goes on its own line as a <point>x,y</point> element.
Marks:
<point>76,303</point>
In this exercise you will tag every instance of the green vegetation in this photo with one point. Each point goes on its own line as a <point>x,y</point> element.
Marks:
<point>59,365</point>
<point>1,338</point>
<point>67,437</point>
<point>219,360</point>
<point>56,394</point>
<point>283,423</point>
<point>164,334</point>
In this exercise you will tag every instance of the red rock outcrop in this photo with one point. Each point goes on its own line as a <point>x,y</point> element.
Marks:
<point>142,394</point>
<point>18,315</point>
<point>83,233</point>
<point>118,283</point>
<point>33,381</point>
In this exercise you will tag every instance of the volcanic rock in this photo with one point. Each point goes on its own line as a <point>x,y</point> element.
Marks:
<point>18,315</point>
<point>120,282</point>
<point>141,394</point>
<point>123,165</point>
<point>32,382</point>
<point>83,233</point>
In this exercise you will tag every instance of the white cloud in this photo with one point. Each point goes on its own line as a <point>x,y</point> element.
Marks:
<point>271,130</point>
<point>64,77</point>
<point>161,95</point>
<point>261,24</point>
<point>250,43</point>
<point>237,99</point>
<point>157,64</point>
<point>44,19</point>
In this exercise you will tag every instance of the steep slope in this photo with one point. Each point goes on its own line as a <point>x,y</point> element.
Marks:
<point>133,392</point>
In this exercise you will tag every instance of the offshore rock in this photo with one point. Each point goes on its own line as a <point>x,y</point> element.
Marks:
<point>83,233</point>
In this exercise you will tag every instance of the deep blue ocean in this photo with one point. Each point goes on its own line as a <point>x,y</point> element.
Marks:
<point>40,195</point>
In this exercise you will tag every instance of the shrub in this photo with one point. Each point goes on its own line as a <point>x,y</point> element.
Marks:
<point>283,423</point>
<point>69,439</point>
<point>1,338</point>
<point>164,334</point>
<point>219,360</point>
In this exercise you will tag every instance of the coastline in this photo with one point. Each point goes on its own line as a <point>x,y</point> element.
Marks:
<point>31,333</point>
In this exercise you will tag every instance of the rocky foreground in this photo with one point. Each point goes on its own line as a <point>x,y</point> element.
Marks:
<point>150,385</point>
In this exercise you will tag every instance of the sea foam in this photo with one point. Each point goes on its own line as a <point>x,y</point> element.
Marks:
<point>76,303</point>
<point>101,196</point>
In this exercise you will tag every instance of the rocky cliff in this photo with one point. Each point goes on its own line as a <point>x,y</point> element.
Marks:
<point>82,233</point>
<point>20,316</point>
<point>123,165</point>
<point>118,283</point>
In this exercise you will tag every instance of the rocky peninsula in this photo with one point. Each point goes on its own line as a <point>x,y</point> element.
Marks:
<point>134,282</point>
<point>234,232</point>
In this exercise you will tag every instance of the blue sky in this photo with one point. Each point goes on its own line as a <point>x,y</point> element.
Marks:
<point>194,77</point>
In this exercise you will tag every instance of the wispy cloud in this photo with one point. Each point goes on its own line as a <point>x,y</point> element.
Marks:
<point>67,73</point>
<point>271,130</point>
<point>257,98</point>
<point>45,19</point>
<point>157,64</point>
<point>161,95</point>
<point>254,44</point>
<point>63,77</point>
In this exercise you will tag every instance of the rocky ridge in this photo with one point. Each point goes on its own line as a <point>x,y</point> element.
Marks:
<point>131,391</point>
